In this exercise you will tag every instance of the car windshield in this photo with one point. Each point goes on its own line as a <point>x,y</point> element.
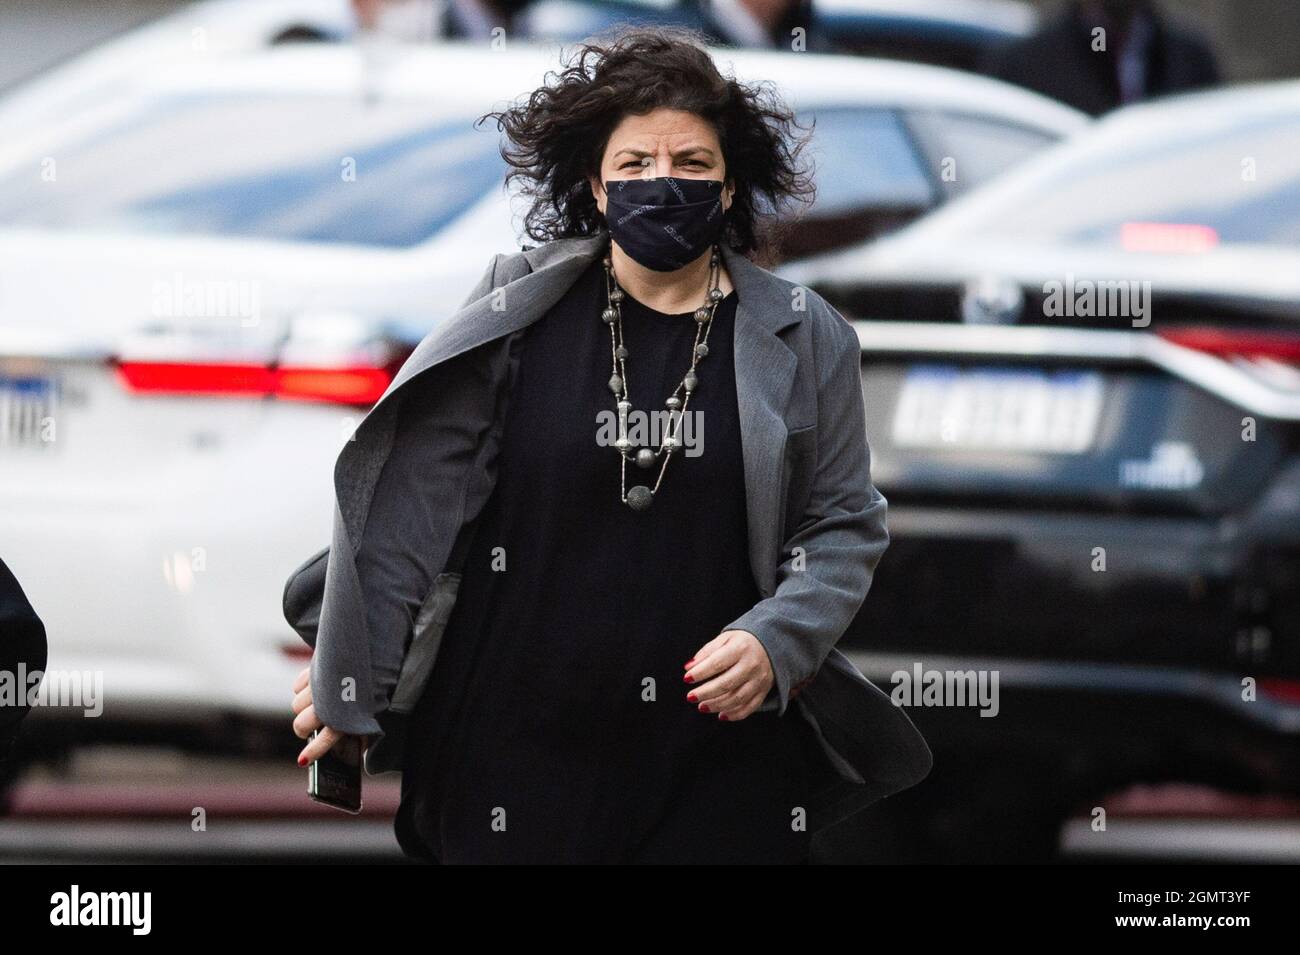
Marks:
<point>301,168</point>
<point>864,158</point>
<point>1187,191</point>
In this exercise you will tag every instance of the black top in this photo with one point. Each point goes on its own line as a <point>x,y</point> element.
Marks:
<point>557,697</point>
<point>1060,60</point>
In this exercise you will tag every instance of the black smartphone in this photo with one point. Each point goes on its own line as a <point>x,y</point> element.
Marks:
<point>335,778</point>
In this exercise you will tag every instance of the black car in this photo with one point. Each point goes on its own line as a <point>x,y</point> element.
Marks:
<point>1083,394</point>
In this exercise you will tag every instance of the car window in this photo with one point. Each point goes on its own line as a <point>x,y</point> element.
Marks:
<point>864,158</point>
<point>974,149</point>
<point>305,168</point>
<point>1186,189</point>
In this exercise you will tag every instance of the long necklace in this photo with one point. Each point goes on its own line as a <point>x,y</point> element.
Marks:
<point>640,496</point>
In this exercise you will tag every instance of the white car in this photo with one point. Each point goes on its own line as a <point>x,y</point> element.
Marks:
<point>209,271</point>
<point>210,30</point>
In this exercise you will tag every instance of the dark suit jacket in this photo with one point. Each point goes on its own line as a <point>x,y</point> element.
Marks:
<point>22,641</point>
<point>1059,61</point>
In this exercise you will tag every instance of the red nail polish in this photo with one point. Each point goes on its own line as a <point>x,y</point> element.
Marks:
<point>691,697</point>
<point>302,760</point>
<point>722,716</point>
<point>704,707</point>
<point>689,662</point>
<point>688,679</point>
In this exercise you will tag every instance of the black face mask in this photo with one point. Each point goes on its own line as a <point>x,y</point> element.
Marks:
<point>664,223</point>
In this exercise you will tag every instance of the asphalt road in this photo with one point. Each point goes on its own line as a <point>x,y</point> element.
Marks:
<point>136,804</point>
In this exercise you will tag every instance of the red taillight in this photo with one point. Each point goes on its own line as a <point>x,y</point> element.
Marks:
<point>1167,237</point>
<point>355,386</point>
<point>184,378</point>
<point>1245,343</point>
<point>1282,690</point>
<point>296,651</point>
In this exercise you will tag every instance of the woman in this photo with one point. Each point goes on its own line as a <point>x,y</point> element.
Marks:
<point>617,638</point>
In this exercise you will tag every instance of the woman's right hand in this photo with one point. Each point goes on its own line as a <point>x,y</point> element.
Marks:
<point>305,722</point>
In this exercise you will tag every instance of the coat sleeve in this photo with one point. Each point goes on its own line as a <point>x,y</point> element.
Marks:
<point>22,645</point>
<point>420,497</point>
<point>829,562</point>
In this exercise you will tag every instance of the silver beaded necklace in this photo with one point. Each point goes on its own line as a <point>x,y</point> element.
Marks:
<point>640,496</point>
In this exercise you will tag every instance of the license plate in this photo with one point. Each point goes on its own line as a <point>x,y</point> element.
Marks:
<point>29,404</point>
<point>992,409</point>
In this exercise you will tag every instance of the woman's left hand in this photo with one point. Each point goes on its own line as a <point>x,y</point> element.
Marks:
<point>730,675</point>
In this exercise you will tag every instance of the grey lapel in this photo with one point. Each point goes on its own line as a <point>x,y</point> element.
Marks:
<point>764,366</point>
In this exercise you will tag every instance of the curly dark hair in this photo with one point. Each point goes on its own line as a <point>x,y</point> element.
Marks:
<point>557,138</point>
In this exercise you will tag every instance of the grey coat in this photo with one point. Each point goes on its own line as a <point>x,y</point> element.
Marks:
<point>816,522</point>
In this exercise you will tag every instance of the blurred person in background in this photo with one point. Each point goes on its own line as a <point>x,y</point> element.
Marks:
<point>416,21</point>
<point>766,24</point>
<point>477,19</point>
<point>1144,55</point>
<point>22,654</point>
